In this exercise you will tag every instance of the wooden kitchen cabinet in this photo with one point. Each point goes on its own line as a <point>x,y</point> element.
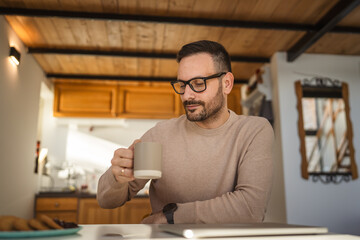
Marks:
<point>148,102</point>
<point>85,100</point>
<point>123,100</point>
<point>86,210</point>
<point>131,213</point>
<point>234,99</point>
<point>91,213</point>
<point>61,208</point>
<point>135,210</point>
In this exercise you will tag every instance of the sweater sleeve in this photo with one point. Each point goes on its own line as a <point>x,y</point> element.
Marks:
<point>112,194</point>
<point>248,201</point>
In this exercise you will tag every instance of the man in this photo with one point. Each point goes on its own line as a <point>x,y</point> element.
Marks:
<point>216,167</point>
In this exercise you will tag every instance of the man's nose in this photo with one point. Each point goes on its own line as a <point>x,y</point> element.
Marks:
<point>188,93</point>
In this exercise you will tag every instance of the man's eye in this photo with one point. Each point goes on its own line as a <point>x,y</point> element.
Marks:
<point>198,82</point>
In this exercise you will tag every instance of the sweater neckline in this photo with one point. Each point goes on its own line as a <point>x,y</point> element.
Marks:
<point>211,131</point>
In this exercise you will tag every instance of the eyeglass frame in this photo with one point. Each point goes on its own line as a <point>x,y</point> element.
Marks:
<point>216,75</point>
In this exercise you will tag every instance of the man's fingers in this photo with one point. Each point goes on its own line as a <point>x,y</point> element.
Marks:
<point>122,162</point>
<point>124,153</point>
<point>122,174</point>
<point>133,144</point>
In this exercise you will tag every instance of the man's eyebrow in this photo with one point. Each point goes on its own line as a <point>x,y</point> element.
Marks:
<point>190,79</point>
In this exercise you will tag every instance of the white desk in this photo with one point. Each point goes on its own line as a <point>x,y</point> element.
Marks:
<point>142,231</point>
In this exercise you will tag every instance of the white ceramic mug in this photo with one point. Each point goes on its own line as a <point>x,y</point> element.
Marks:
<point>147,160</point>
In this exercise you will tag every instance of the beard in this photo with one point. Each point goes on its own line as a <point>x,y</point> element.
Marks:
<point>209,110</point>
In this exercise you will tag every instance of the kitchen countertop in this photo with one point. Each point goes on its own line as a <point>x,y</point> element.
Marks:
<point>76,194</point>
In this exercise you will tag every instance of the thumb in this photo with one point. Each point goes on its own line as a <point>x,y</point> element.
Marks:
<point>133,144</point>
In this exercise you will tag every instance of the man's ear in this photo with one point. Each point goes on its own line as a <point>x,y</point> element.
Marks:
<point>228,83</point>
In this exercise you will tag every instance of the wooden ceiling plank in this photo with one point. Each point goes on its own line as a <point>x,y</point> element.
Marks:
<point>45,65</point>
<point>22,31</point>
<point>54,63</point>
<point>114,34</point>
<point>128,6</point>
<point>168,68</point>
<point>15,4</point>
<point>327,22</point>
<point>64,31</point>
<point>111,6</point>
<point>46,29</point>
<point>145,37</point>
<point>162,7</point>
<point>181,8</point>
<point>80,32</point>
<point>159,35</point>
<point>88,5</point>
<point>106,65</point>
<point>345,45</point>
<point>145,67</point>
<point>156,19</point>
<point>128,35</point>
<point>98,33</point>
<point>119,65</point>
<point>196,33</point>
<point>91,64</point>
<point>201,9</point>
<point>351,20</point>
<point>174,37</point>
<point>155,71</point>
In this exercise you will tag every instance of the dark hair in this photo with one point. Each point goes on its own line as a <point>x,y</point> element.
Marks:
<point>218,53</point>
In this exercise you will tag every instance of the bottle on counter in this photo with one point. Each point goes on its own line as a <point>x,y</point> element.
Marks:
<point>36,170</point>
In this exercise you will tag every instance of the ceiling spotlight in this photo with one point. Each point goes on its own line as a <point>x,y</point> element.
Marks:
<point>14,55</point>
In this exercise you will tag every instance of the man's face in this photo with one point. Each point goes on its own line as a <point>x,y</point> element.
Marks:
<point>204,105</point>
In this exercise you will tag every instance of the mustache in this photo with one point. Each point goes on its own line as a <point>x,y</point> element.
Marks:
<point>193,102</point>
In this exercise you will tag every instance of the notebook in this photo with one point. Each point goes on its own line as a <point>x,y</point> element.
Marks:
<point>236,230</point>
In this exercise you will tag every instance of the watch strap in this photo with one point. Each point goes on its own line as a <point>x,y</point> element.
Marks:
<point>168,211</point>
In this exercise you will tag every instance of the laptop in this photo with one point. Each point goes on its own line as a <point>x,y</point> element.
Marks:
<point>238,230</point>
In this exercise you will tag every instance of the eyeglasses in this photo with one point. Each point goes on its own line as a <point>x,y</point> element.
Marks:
<point>197,84</point>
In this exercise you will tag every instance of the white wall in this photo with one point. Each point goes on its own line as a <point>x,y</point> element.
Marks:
<point>334,206</point>
<point>19,104</point>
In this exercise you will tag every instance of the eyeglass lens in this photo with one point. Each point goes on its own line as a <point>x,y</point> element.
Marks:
<point>197,85</point>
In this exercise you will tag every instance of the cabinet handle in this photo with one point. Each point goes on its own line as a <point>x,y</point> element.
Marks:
<point>57,204</point>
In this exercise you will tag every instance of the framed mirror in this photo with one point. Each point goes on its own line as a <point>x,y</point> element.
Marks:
<point>325,130</point>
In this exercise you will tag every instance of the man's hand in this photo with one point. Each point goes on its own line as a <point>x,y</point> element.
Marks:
<point>122,164</point>
<point>157,218</point>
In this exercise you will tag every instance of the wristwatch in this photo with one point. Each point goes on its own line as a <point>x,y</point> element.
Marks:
<point>168,211</point>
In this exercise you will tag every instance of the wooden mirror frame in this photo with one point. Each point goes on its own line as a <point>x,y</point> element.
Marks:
<point>322,90</point>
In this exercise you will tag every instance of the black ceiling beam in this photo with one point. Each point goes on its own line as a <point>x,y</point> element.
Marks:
<point>172,20</point>
<point>156,19</point>
<point>116,53</point>
<point>111,53</point>
<point>121,78</point>
<point>326,23</point>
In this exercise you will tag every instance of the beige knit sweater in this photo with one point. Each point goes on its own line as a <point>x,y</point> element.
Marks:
<point>221,175</point>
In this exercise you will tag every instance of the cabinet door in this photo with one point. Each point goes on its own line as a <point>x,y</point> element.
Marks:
<point>234,99</point>
<point>85,100</point>
<point>68,216</point>
<point>135,210</point>
<point>148,102</point>
<point>91,213</point>
<point>64,208</point>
